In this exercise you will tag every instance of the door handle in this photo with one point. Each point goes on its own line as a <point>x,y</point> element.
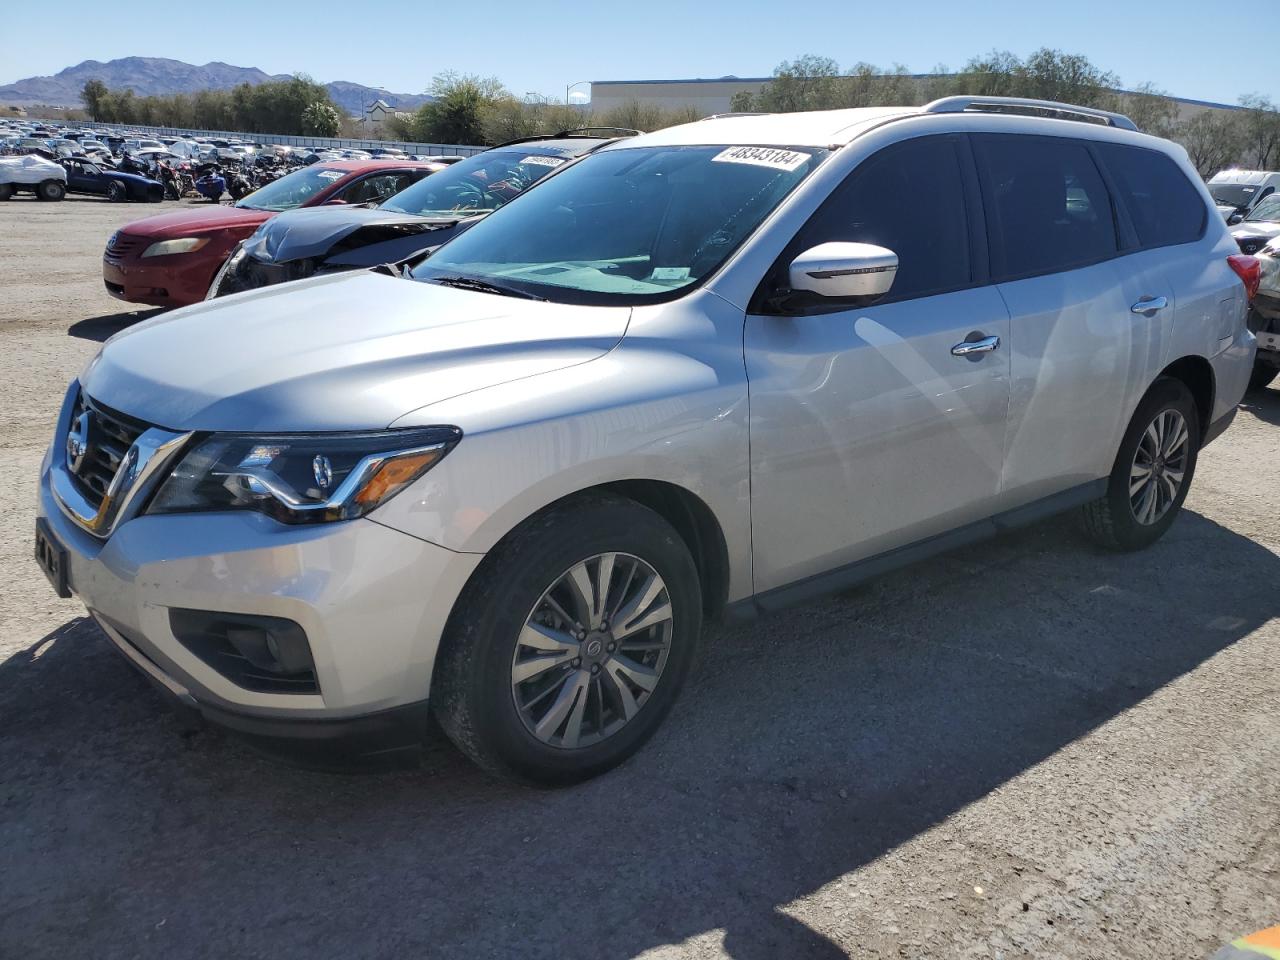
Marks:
<point>969,348</point>
<point>1148,306</point>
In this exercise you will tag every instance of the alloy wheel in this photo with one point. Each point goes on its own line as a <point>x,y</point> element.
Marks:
<point>1159,467</point>
<point>592,650</point>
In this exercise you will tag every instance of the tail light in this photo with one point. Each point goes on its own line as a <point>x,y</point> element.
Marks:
<point>1249,270</point>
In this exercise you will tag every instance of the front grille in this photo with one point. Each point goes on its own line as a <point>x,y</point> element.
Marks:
<point>107,436</point>
<point>122,245</point>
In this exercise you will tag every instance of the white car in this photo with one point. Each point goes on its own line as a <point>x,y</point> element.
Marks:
<point>32,174</point>
<point>708,371</point>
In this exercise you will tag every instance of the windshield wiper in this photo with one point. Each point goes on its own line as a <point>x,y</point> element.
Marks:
<point>484,286</point>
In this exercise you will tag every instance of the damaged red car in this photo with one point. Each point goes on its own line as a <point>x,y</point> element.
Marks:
<point>169,260</point>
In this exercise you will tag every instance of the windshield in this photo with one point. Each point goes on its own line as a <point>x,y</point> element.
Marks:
<point>479,184</point>
<point>1233,194</point>
<point>1268,209</point>
<point>292,190</point>
<point>628,225</point>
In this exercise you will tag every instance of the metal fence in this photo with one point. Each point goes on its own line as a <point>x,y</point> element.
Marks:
<point>339,143</point>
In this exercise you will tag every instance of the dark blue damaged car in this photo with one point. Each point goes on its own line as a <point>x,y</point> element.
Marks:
<point>304,243</point>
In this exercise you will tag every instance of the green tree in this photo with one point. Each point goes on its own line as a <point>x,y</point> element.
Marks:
<point>806,83</point>
<point>456,115</point>
<point>1259,132</point>
<point>1212,140</point>
<point>321,119</point>
<point>93,93</point>
<point>1150,108</point>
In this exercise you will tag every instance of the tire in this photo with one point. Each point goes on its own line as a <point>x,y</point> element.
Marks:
<point>475,689</point>
<point>51,190</point>
<point>6,191</point>
<point>1262,376</point>
<point>1113,520</point>
<point>116,192</point>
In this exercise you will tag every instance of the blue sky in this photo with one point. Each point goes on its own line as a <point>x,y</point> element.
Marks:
<point>543,46</point>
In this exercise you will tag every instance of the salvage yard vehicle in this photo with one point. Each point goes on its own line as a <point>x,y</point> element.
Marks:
<point>86,176</point>
<point>1260,227</point>
<point>713,370</point>
<point>32,174</point>
<point>1236,192</point>
<point>169,260</point>
<point>1264,317</point>
<point>304,243</point>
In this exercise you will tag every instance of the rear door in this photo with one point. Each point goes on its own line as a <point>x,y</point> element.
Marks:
<point>1083,349</point>
<point>867,431</point>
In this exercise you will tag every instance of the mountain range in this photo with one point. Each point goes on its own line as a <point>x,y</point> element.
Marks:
<point>148,76</point>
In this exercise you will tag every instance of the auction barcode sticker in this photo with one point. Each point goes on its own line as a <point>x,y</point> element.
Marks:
<point>543,161</point>
<point>763,157</point>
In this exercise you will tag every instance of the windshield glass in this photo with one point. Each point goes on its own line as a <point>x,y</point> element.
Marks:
<point>292,190</point>
<point>1233,194</point>
<point>479,184</point>
<point>628,225</point>
<point>1268,209</point>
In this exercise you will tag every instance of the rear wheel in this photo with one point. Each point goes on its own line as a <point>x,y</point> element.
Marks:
<point>569,647</point>
<point>1262,376</point>
<point>1152,471</point>
<point>51,190</point>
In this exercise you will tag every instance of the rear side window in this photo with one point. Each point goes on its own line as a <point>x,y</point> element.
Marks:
<point>1164,207</point>
<point>1048,208</point>
<point>910,198</point>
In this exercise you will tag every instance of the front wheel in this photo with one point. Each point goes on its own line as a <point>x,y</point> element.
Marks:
<point>1152,471</point>
<point>116,192</point>
<point>6,191</point>
<point>570,645</point>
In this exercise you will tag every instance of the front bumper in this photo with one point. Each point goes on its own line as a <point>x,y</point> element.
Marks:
<point>177,280</point>
<point>372,602</point>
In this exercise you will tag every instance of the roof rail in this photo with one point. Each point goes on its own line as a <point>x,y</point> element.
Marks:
<point>576,132</point>
<point>1050,108</point>
<point>737,113</point>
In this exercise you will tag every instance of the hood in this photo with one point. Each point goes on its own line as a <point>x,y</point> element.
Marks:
<point>354,351</point>
<point>1262,229</point>
<point>183,223</point>
<point>130,178</point>
<point>300,234</point>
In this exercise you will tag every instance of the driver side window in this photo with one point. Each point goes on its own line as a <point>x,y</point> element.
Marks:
<point>908,198</point>
<point>374,189</point>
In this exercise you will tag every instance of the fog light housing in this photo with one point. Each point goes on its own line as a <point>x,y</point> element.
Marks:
<point>263,654</point>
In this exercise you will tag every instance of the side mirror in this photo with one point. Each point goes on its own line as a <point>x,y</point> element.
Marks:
<point>335,202</point>
<point>1235,218</point>
<point>845,271</point>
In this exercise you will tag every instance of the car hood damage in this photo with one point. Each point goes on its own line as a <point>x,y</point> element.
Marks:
<point>316,356</point>
<point>302,234</point>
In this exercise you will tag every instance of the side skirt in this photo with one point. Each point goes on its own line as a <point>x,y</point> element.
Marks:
<point>842,578</point>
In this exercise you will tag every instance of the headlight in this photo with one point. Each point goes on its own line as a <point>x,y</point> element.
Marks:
<point>302,478</point>
<point>182,245</point>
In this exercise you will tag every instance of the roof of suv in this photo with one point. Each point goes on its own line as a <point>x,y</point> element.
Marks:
<point>831,128</point>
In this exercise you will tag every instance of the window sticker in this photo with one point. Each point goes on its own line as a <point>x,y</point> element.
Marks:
<point>330,174</point>
<point>670,273</point>
<point>771,157</point>
<point>540,161</point>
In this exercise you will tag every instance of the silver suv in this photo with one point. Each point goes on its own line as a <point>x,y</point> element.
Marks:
<point>712,370</point>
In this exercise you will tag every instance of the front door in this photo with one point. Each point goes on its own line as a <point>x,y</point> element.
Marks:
<point>868,431</point>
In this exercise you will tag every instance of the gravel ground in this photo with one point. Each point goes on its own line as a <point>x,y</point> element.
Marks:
<point>1028,748</point>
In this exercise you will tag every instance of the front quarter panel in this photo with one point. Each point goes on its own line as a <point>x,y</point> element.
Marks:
<point>669,403</point>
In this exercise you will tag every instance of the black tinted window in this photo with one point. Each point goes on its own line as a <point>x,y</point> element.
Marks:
<point>908,198</point>
<point>1164,207</point>
<point>1047,206</point>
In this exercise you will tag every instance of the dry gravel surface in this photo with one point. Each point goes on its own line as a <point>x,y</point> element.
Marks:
<point>1029,748</point>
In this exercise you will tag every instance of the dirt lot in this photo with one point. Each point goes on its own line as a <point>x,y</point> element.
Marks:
<point>1029,748</point>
